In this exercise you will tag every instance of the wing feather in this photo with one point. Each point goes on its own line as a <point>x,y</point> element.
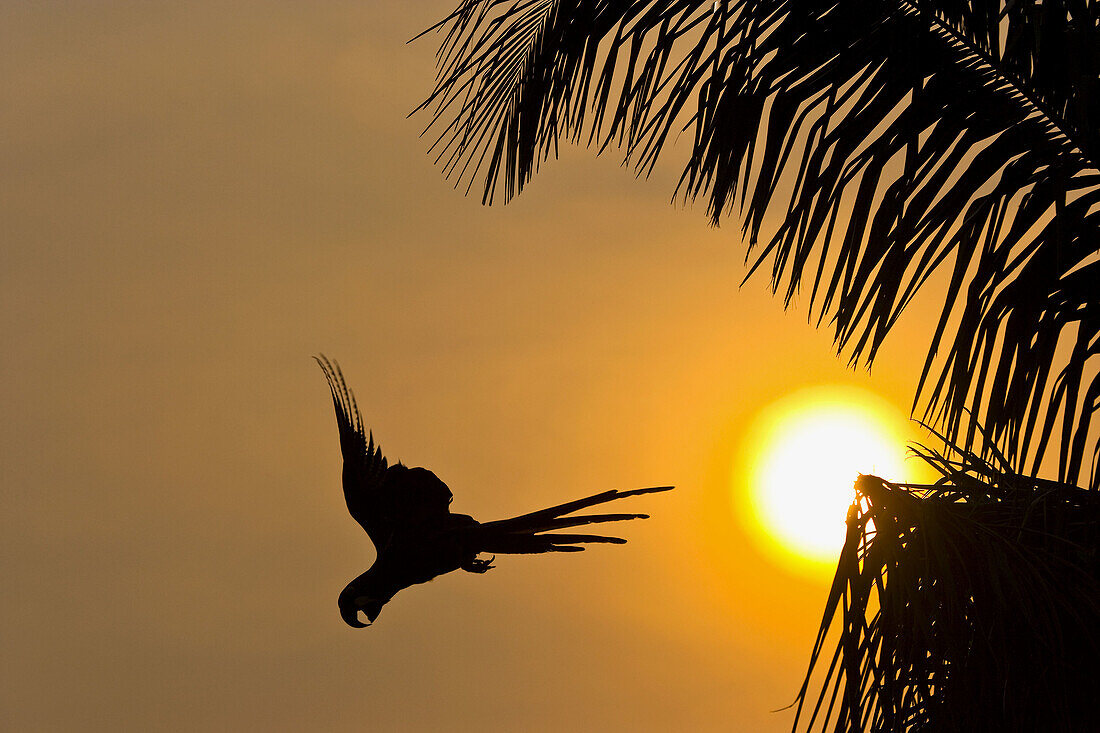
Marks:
<point>364,464</point>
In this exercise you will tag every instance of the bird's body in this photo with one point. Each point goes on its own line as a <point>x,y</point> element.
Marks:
<point>406,512</point>
<point>417,555</point>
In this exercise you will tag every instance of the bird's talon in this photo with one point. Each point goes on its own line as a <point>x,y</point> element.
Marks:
<point>479,566</point>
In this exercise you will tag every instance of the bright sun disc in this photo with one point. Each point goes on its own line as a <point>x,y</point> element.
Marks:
<point>812,447</point>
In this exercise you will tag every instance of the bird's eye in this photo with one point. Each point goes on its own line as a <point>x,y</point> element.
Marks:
<point>362,600</point>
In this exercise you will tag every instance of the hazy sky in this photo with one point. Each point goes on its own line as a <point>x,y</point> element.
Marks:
<point>194,199</point>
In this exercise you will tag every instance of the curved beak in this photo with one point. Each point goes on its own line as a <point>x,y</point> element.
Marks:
<point>350,614</point>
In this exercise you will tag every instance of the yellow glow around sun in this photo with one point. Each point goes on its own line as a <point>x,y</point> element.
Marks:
<point>809,449</point>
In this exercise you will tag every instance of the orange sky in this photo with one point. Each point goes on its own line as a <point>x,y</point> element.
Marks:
<point>195,199</point>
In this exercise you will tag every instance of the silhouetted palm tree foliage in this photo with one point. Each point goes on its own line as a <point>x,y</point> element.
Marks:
<point>967,605</point>
<point>863,144</point>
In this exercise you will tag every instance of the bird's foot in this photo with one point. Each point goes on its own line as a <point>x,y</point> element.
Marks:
<point>479,566</point>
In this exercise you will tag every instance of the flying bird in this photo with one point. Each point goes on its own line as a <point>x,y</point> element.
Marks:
<point>406,513</point>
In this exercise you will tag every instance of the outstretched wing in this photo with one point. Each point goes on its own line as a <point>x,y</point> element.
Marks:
<point>364,464</point>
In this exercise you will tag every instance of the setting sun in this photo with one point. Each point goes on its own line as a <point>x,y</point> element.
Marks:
<point>808,450</point>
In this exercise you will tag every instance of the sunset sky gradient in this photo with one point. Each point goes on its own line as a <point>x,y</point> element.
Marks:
<point>196,198</point>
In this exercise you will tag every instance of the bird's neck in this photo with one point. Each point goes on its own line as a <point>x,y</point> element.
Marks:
<point>381,579</point>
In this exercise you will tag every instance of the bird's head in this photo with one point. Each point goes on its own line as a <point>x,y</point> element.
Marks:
<point>361,595</point>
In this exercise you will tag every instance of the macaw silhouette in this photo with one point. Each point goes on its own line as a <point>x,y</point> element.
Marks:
<point>406,513</point>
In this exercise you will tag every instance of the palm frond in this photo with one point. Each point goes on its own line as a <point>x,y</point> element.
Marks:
<point>864,146</point>
<point>969,604</point>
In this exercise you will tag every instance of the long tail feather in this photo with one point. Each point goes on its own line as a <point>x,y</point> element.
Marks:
<point>543,525</point>
<point>575,538</point>
<point>518,544</point>
<point>555,512</point>
<point>520,535</point>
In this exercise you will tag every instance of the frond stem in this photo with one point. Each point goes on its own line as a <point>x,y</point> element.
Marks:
<point>1058,127</point>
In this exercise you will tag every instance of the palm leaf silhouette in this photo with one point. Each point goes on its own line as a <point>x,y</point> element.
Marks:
<point>969,604</point>
<point>864,146</point>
